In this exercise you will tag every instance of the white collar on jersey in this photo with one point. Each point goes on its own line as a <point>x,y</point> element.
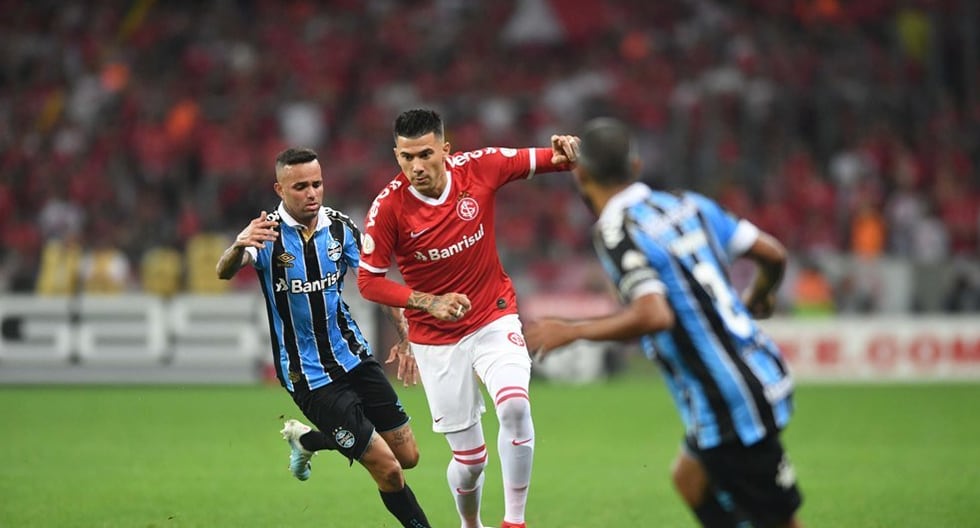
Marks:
<point>322,220</point>
<point>623,199</point>
<point>434,201</point>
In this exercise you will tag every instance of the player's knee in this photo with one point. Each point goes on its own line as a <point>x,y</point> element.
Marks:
<point>689,484</point>
<point>470,471</point>
<point>409,457</point>
<point>390,477</point>
<point>514,412</point>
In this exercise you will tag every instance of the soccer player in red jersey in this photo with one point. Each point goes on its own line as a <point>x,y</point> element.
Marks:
<point>437,219</point>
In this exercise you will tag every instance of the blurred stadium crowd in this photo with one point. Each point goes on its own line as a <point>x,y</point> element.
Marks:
<point>136,138</point>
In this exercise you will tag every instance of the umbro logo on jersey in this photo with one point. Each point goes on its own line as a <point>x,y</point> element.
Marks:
<point>416,234</point>
<point>285,260</point>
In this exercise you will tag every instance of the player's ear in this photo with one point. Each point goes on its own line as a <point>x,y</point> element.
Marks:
<point>445,147</point>
<point>278,188</point>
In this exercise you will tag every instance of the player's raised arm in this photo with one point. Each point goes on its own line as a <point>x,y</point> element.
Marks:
<point>259,231</point>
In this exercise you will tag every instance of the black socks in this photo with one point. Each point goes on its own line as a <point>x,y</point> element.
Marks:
<point>405,508</point>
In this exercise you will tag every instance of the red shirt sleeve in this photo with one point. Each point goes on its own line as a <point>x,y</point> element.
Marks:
<point>542,161</point>
<point>377,244</point>
<point>377,288</point>
<point>500,165</point>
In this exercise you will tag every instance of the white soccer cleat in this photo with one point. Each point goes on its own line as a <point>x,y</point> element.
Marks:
<point>299,457</point>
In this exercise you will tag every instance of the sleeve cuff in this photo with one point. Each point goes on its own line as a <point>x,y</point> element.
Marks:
<point>647,288</point>
<point>746,233</point>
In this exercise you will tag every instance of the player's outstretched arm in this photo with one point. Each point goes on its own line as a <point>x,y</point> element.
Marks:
<point>769,256</point>
<point>644,315</point>
<point>259,231</point>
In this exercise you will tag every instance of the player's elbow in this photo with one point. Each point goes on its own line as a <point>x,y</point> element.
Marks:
<point>365,283</point>
<point>653,314</point>
<point>223,273</point>
<point>768,252</point>
<point>658,321</point>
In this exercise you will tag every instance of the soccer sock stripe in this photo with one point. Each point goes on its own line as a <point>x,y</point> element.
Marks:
<point>507,393</point>
<point>473,451</point>
<point>471,457</point>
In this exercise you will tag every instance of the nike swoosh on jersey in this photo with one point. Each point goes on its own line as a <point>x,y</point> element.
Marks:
<point>416,234</point>
<point>439,419</point>
<point>521,442</point>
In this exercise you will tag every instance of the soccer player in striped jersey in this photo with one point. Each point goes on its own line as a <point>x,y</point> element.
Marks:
<point>436,218</point>
<point>301,252</point>
<point>668,254</point>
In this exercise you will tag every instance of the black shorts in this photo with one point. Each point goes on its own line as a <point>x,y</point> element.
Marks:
<point>759,479</point>
<point>351,408</point>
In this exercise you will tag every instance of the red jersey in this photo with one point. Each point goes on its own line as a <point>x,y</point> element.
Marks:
<point>447,244</point>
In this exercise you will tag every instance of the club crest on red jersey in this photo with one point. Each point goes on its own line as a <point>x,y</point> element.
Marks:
<point>516,338</point>
<point>467,208</point>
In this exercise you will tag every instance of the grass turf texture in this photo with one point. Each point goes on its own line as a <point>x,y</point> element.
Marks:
<point>866,456</point>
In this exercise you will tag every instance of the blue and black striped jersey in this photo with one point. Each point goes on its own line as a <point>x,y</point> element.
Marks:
<point>315,340</point>
<point>727,378</point>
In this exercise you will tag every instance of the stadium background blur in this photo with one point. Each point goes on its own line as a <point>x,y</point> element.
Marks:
<point>136,138</point>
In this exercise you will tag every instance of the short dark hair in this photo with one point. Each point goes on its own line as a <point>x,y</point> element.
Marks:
<point>294,156</point>
<point>606,151</point>
<point>417,123</point>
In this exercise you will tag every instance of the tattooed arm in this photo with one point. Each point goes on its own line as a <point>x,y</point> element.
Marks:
<point>448,307</point>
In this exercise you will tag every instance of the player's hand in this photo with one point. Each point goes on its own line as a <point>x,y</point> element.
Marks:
<point>760,306</point>
<point>564,149</point>
<point>259,231</point>
<point>449,307</point>
<point>408,369</point>
<point>545,335</point>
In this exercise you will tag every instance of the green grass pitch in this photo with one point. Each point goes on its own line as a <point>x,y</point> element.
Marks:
<point>190,456</point>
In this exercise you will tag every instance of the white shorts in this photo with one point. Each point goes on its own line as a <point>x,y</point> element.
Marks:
<point>450,372</point>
